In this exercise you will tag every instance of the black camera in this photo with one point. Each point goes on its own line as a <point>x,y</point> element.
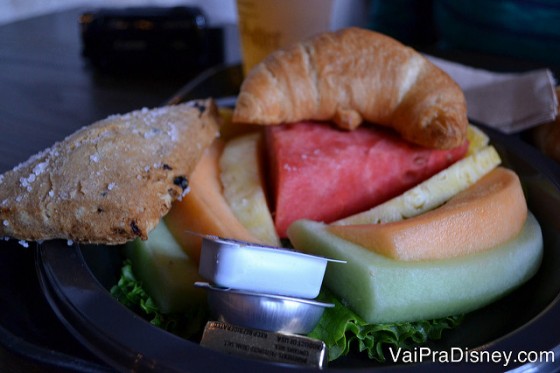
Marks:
<point>150,37</point>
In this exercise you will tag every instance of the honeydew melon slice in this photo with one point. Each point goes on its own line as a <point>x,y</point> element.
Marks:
<point>384,290</point>
<point>166,272</point>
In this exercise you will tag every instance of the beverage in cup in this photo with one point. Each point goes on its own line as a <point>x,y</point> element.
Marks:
<point>267,25</point>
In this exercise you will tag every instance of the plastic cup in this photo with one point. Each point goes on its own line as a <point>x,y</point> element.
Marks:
<point>267,25</point>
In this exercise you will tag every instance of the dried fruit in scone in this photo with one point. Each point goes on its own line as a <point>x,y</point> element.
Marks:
<point>109,182</point>
<point>356,75</point>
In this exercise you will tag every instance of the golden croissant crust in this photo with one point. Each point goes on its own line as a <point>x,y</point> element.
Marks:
<point>351,76</point>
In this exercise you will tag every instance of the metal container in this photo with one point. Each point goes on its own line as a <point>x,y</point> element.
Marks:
<point>264,269</point>
<point>274,313</point>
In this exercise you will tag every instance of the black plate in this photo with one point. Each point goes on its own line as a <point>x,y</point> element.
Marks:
<point>76,280</point>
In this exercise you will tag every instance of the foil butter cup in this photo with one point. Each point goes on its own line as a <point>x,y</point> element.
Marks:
<point>274,313</point>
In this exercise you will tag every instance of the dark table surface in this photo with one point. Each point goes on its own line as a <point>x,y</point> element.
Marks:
<point>47,91</point>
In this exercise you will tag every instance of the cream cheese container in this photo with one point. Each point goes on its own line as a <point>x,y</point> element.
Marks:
<point>263,269</point>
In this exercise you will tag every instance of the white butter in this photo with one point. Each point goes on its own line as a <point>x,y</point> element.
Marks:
<point>264,269</point>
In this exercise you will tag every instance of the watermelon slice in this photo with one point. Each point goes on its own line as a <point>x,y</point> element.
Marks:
<point>322,173</point>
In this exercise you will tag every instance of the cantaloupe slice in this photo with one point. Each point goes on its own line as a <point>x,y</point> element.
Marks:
<point>494,207</point>
<point>204,210</point>
<point>381,290</point>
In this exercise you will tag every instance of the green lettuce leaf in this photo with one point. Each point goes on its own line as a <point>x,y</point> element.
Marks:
<point>129,292</point>
<point>342,330</point>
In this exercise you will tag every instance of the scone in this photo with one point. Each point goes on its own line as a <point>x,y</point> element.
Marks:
<point>109,182</point>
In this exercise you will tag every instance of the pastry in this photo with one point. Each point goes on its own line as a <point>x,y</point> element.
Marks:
<point>109,182</point>
<point>351,76</point>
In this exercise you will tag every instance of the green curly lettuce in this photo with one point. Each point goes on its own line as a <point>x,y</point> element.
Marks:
<point>342,330</point>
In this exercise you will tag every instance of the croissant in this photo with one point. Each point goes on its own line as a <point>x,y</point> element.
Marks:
<point>351,76</point>
<point>109,182</point>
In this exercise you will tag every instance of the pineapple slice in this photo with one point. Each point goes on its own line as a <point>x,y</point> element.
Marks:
<point>242,180</point>
<point>432,192</point>
<point>477,139</point>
